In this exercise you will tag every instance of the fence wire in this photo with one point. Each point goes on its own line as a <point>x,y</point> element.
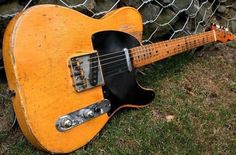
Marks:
<point>162,19</point>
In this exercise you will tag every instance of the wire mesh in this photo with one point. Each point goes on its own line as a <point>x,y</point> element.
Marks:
<point>162,19</point>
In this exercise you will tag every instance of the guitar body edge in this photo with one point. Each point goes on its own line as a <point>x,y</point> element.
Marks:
<point>13,81</point>
<point>38,44</point>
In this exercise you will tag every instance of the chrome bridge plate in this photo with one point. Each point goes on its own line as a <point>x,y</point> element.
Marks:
<point>81,116</point>
<point>86,71</point>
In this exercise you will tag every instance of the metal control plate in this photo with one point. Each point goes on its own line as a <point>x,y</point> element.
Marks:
<point>81,116</point>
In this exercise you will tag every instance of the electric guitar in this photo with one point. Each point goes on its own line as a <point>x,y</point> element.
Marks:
<point>69,73</point>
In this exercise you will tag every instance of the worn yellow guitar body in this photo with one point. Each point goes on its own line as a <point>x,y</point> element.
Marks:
<point>37,46</point>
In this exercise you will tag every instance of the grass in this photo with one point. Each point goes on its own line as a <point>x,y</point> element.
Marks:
<point>198,90</point>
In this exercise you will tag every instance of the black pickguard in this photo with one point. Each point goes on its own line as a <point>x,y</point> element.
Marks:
<point>121,88</point>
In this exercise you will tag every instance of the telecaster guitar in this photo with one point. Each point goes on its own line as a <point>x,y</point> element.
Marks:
<point>71,73</point>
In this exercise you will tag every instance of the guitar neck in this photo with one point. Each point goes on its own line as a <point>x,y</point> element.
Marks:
<point>147,54</point>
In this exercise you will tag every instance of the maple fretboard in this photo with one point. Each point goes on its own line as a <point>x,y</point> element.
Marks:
<point>147,54</point>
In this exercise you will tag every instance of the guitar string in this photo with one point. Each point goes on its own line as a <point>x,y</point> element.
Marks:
<point>106,54</point>
<point>143,54</point>
<point>136,55</point>
<point>112,73</point>
<point>124,69</point>
<point>109,63</point>
<point>197,37</point>
<point>116,64</point>
<point>122,54</point>
<point>164,42</point>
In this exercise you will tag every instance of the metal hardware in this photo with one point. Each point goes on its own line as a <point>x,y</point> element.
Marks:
<point>93,74</point>
<point>66,122</point>
<point>127,56</point>
<point>81,116</point>
<point>82,73</point>
<point>87,113</point>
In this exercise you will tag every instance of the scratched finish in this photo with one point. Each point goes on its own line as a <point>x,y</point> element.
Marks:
<point>37,46</point>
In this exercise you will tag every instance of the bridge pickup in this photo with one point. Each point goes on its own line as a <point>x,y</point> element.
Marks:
<point>93,74</point>
<point>86,71</point>
<point>81,116</point>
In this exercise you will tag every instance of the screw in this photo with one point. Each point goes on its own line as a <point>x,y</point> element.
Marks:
<point>66,123</point>
<point>88,113</point>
